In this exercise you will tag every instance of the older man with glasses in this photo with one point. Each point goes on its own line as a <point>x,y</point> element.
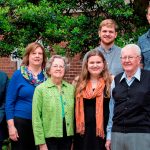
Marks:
<point>129,120</point>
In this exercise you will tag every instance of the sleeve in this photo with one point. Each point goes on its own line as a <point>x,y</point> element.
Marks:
<point>111,113</point>
<point>138,42</point>
<point>11,95</point>
<point>37,116</point>
<point>1,112</point>
<point>3,96</point>
<point>6,86</point>
<point>142,57</point>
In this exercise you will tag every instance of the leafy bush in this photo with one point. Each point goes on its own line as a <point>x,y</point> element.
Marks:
<point>76,22</point>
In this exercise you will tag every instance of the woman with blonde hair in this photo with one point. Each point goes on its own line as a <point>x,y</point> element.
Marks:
<point>92,102</point>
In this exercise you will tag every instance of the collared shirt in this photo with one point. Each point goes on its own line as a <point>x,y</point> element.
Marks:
<point>112,101</point>
<point>144,44</point>
<point>112,57</point>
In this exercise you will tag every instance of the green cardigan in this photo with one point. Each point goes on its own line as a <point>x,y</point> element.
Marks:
<point>47,117</point>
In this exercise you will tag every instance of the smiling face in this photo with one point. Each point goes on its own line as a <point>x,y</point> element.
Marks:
<point>57,69</point>
<point>130,60</point>
<point>95,66</point>
<point>36,57</point>
<point>107,35</point>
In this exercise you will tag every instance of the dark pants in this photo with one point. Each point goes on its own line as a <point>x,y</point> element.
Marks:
<point>62,143</point>
<point>1,145</point>
<point>3,131</point>
<point>25,132</point>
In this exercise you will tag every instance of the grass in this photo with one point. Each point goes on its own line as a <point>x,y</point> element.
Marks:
<point>6,145</point>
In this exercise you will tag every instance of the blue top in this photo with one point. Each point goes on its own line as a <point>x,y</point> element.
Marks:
<point>19,96</point>
<point>112,57</point>
<point>144,44</point>
<point>112,101</point>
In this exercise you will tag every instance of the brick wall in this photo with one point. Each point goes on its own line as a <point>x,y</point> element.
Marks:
<point>9,67</point>
<point>74,68</point>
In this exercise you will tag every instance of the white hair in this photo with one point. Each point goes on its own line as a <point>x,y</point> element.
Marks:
<point>134,47</point>
<point>51,60</point>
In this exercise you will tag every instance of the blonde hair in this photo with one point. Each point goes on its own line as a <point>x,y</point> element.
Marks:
<point>85,75</point>
<point>108,23</point>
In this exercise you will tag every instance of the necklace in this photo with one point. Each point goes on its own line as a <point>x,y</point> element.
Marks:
<point>94,84</point>
<point>35,76</point>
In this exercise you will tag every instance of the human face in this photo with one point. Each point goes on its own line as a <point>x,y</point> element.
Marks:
<point>95,66</point>
<point>148,15</point>
<point>130,61</point>
<point>107,35</point>
<point>57,69</point>
<point>36,57</point>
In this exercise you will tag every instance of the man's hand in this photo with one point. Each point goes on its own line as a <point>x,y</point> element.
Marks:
<point>108,145</point>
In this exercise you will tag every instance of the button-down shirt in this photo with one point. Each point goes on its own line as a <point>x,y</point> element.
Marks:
<point>144,44</point>
<point>112,57</point>
<point>112,101</point>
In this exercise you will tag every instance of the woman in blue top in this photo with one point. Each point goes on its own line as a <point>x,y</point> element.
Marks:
<point>19,97</point>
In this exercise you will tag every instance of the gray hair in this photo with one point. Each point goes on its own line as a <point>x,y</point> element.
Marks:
<point>51,60</point>
<point>133,47</point>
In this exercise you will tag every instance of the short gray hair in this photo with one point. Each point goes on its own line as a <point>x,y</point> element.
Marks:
<point>51,60</point>
<point>132,46</point>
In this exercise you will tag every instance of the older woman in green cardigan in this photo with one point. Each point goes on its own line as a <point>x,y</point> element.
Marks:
<point>53,109</point>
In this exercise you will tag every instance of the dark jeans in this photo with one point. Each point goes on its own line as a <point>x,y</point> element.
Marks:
<point>25,132</point>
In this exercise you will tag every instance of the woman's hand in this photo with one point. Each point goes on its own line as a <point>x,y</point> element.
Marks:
<point>13,134</point>
<point>43,147</point>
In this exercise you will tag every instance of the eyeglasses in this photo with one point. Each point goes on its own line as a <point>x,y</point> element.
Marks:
<point>58,66</point>
<point>130,58</point>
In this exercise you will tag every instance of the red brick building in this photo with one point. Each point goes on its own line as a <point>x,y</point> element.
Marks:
<point>9,67</point>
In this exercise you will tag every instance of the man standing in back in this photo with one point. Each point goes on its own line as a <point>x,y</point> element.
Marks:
<point>108,32</point>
